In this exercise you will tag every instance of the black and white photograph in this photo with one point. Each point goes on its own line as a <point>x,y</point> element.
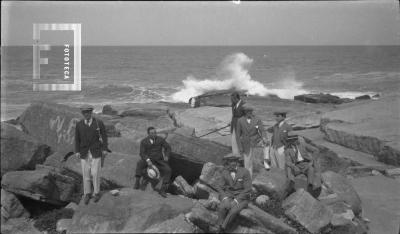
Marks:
<point>274,117</point>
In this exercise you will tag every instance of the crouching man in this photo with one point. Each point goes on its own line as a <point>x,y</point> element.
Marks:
<point>151,153</point>
<point>300,161</point>
<point>234,191</point>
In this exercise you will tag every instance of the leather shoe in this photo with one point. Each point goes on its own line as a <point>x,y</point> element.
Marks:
<point>86,199</point>
<point>96,197</point>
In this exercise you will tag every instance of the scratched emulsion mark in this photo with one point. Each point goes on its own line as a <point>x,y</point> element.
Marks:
<point>65,135</point>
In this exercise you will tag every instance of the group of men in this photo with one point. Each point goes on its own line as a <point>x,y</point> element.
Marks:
<point>247,133</point>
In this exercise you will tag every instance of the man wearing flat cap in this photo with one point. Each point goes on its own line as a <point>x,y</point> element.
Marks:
<point>251,134</point>
<point>234,191</point>
<point>280,133</point>
<point>90,145</point>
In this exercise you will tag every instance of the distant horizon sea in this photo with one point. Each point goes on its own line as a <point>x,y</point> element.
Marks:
<point>136,74</point>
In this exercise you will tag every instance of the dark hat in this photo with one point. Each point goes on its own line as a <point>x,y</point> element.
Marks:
<point>153,172</point>
<point>231,156</point>
<point>283,113</point>
<point>86,107</point>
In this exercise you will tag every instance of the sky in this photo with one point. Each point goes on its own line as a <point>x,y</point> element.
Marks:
<point>374,22</point>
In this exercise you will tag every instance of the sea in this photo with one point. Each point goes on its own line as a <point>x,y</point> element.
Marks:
<point>145,74</point>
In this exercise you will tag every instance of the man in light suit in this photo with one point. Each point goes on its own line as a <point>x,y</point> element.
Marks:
<point>280,133</point>
<point>234,191</point>
<point>90,146</point>
<point>237,112</point>
<point>251,134</point>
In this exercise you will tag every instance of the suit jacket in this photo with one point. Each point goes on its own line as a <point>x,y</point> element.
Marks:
<point>236,114</point>
<point>279,134</point>
<point>248,134</point>
<point>88,138</point>
<point>154,151</point>
<point>240,188</point>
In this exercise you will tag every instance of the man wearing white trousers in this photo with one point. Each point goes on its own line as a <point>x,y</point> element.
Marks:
<point>90,146</point>
<point>280,133</point>
<point>237,112</point>
<point>251,134</point>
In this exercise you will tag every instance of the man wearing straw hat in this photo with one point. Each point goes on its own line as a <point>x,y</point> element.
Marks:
<point>234,191</point>
<point>251,134</point>
<point>90,146</point>
<point>151,153</point>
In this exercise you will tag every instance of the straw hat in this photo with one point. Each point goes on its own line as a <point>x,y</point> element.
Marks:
<point>153,172</point>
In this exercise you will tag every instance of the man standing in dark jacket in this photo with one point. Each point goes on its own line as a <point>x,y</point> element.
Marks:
<point>90,144</point>
<point>237,112</point>
<point>151,153</point>
<point>234,192</point>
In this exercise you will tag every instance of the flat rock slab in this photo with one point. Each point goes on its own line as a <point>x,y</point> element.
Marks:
<point>381,203</point>
<point>371,127</point>
<point>130,212</point>
<point>19,226</point>
<point>175,225</point>
<point>20,151</point>
<point>273,183</point>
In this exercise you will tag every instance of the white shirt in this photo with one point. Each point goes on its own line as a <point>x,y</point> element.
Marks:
<point>151,141</point>
<point>89,122</point>
<point>248,120</point>
<point>237,104</point>
<point>233,174</point>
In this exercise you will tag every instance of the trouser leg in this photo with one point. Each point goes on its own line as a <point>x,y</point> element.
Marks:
<point>87,188</point>
<point>165,171</point>
<point>280,157</point>
<point>233,212</point>
<point>95,172</point>
<point>273,158</point>
<point>140,166</point>
<point>248,161</point>
<point>223,209</point>
<point>235,148</point>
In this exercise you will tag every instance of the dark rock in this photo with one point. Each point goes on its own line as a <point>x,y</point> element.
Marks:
<point>211,175</point>
<point>11,207</point>
<point>214,98</point>
<point>42,185</point>
<point>273,183</point>
<point>341,214</point>
<point>20,151</point>
<point>343,188</point>
<point>130,212</point>
<point>363,97</point>
<point>309,212</point>
<point>203,218</point>
<point>54,124</point>
<point>319,98</point>
<point>108,110</point>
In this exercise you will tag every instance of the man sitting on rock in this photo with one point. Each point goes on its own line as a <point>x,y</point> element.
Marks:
<point>234,191</point>
<point>300,160</point>
<point>151,153</point>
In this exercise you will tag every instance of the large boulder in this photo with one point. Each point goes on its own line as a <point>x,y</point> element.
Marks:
<point>131,211</point>
<point>309,212</point>
<point>118,169</point>
<point>54,124</point>
<point>190,153</point>
<point>175,225</point>
<point>368,127</point>
<point>19,226</point>
<point>273,183</point>
<point>11,207</point>
<point>205,219</point>
<point>380,202</point>
<point>220,98</point>
<point>211,175</point>
<point>339,185</point>
<point>42,185</point>
<point>20,151</point>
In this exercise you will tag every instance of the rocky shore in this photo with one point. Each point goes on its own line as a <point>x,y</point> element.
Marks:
<point>359,144</point>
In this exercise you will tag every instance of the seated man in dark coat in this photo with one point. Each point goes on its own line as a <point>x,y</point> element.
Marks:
<point>151,153</point>
<point>234,191</point>
<point>301,159</point>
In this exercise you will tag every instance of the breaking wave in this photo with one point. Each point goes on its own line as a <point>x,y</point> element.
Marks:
<point>233,73</point>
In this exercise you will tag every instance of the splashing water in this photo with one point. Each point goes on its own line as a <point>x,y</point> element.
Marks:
<point>233,74</point>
